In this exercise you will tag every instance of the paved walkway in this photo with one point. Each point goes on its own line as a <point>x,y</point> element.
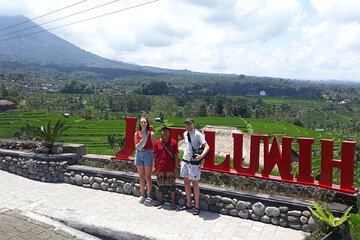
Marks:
<point>121,216</point>
<point>14,225</point>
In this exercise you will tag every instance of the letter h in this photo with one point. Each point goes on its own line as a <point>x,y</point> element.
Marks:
<point>346,164</point>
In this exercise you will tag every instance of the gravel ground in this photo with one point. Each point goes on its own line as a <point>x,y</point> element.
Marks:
<point>224,143</point>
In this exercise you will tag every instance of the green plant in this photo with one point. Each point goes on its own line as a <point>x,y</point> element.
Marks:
<point>121,140</point>
<point>318,233</point>
<point>24,131</point>
<point>324,214</point>
<point>112,139</point>
<point>48,134</point>
<point>354,222</point>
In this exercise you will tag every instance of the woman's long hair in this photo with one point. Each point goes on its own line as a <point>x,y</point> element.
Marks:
<point>147,123</point>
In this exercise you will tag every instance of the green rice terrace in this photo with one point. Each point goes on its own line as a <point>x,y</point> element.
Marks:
<point>93,133</point>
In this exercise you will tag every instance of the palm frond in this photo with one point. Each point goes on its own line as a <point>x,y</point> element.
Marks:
<point>325,215</point>
<point>49,134</point>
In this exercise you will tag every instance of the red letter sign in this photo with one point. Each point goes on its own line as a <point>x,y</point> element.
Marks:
<point>126,152</point>
<point>304,175</point>
<point>274,157</point>
<point>346,165</point>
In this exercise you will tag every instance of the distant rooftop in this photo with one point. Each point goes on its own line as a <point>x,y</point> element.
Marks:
<point>6,103</point>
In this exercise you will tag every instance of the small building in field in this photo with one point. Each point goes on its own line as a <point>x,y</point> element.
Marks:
<point>158,120</point>
<point>6,105</point>
<point>262,93</point>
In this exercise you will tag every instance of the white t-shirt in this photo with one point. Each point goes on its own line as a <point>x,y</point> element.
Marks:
<point>197,140</point>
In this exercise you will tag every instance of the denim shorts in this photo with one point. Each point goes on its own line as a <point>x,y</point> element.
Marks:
<point>144,158</point>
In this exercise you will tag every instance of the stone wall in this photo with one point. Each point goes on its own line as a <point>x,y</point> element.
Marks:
<point>45,171</point>
<point>42,167</point>
<point>337,201</point>
<point>127,183</point>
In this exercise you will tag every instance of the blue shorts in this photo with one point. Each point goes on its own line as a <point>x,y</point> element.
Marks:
<point>144,158</point>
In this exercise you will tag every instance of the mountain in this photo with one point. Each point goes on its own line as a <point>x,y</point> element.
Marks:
<point>47,49</point>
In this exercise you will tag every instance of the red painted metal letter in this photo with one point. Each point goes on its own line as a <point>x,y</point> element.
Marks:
<point>126,152</point>
<point>254,154</point>
<point>274,157</point>
<point>346,164</point>
<point>305,152</point>
<point>210,158</point>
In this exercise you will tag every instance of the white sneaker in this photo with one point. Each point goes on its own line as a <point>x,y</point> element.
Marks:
<point>141,199</point>
<point>148,200</point>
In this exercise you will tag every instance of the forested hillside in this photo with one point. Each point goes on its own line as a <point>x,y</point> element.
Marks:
<point>18,45</point>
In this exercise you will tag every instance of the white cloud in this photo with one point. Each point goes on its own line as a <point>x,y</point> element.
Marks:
<point>280,38</point>
<point>337,10</point>
<point>16,7</point>
<point>248,20</point>
<point>349,37</point>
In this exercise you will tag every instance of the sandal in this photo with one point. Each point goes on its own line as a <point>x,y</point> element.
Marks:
<point>158,204</point>
<point>185,207</point>
<point>148,200</point>
<point>173,206</point>
<point>196,211</point>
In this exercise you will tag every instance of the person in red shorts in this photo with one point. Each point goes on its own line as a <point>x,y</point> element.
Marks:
<point>166,161</point>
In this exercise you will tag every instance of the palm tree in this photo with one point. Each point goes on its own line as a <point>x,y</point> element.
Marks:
<point>48,134</point>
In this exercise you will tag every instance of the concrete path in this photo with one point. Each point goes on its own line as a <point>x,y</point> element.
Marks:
<point>122,217</point>
<point>14,225</point>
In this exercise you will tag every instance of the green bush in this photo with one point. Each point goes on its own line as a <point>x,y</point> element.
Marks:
<point>48,134</point>
<point>354,221</point>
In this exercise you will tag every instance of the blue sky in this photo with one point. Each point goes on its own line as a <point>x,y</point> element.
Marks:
<point>302,39</point>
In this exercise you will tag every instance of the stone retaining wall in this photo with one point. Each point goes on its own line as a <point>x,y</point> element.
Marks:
<point>337,201</point>
<point>42,167</point>
<point>126,183</point>
<point>35,169</point>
